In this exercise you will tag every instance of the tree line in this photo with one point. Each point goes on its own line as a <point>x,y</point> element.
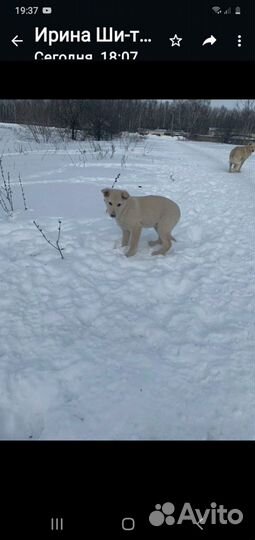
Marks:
<point>102,119</point>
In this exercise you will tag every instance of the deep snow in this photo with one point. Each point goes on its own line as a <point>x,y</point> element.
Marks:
<point>100,346</point>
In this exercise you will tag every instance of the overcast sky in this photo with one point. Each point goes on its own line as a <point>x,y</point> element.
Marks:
<point>229,103</point>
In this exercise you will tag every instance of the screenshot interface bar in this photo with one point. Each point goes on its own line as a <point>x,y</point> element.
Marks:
<point>86,32</point>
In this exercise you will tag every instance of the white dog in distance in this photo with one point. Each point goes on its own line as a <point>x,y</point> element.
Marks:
<point>238,156</point>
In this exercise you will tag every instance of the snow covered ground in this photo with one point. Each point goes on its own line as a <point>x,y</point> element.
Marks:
<point>100,346</point>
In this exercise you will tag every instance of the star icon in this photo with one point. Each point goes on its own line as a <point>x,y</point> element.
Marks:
<point>175,40</point>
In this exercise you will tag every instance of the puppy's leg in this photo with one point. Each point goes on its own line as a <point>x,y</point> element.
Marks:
<point>166,244</point>
<point>165,237</point>
<point>125,237</point>
<point>230,167</point>
<point>236,167</point>
<point>135,235</point>
<point>154,242</point>
<point>241,164</point>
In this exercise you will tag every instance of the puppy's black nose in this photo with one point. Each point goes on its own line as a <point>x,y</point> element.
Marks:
<point>113,215</point>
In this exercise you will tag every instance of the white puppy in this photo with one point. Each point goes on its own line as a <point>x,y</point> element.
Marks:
<point>134,213</point>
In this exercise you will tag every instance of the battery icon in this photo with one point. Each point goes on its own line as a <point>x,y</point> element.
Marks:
<point>46,10</point>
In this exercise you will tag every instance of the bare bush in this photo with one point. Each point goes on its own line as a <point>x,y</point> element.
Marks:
<point>6,192</point>
<point>56,246</point>
<point>129,141</point>
<point>23,193</point>
<point>116,180</point>
<point>40,133</point>
<point>6,199</point>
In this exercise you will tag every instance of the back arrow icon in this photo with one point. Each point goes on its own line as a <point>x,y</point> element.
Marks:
<point>15,41</point>
<point>210,40</point>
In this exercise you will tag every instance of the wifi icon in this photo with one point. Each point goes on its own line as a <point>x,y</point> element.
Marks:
<point>217,10</point>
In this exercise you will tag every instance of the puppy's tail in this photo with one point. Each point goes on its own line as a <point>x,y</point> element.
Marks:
<point>172,238</point>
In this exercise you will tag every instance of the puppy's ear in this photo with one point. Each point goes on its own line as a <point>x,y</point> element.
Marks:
<point>124,195</point>
<point>106,192</point>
